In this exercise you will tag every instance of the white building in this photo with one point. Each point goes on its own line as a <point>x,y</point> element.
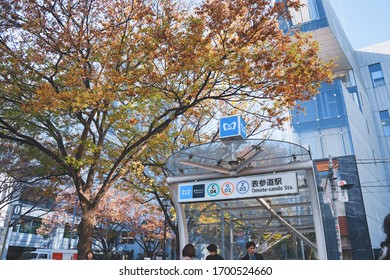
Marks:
<point>351,117</point>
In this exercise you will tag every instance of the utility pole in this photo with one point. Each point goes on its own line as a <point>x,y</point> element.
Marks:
<point>5,232</point>
<point>166,204</point>
<point>332,178</point>
<point>13,215</point>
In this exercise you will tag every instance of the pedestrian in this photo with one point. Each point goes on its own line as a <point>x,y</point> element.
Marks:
<point>188,252</point>
<point>251,255</point>
<point>90,255</point>
<point>212,248</point>
<point>385,245</point>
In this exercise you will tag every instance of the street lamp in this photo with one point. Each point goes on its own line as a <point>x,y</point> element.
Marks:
<point>166,204</point>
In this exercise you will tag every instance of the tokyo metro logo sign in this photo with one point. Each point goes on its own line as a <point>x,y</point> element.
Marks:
<point>228,127</point>
<point>232,127</point>
<point>185,192</point>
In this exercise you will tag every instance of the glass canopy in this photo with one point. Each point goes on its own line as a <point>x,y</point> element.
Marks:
<point>283,226</point>
<point>231,154</point>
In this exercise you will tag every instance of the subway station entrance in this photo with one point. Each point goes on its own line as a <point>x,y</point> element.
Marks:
<point>231,192</point>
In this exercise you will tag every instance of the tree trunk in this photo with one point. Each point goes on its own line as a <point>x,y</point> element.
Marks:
<point>86,231</point>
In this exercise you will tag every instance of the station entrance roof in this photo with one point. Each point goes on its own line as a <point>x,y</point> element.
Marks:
<point>286,215</point>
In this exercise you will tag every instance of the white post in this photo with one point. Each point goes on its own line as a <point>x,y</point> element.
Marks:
<point>181,217</point>
<point>317,217</point>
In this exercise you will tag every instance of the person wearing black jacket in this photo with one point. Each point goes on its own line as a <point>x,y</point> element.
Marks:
<point>251,255</point>
<point>212,248</point>
<point>385,245</point>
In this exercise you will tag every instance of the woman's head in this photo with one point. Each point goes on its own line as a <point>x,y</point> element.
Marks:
<point>89,255</point>
<point>189,251</point>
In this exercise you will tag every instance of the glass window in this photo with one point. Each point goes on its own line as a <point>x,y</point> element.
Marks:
<point>302,15</point>
<point>313,10</point>
<point>42,256</point>
<point>308,115</point>
<point>327,104</point>
<point>310,16</point>
<point>67,230</point>
<point>25,226</point>
<point>70,230</point>
<point>351,82</point>
<point>308,12</point>
<point>385,120</point>
<point>3,191</point>
<point>376,73</point>
<point>353,91</point>
<point>29,225</point>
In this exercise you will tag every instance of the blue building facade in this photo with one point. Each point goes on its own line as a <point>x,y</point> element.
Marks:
<point>349,122</point>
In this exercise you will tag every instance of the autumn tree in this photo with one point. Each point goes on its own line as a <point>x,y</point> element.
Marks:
<point>119,212</point>
<point>147,228</point>
<point>88,86</point>
<point>17,184</point>
<point>191,129</point>
<point>137,215</point>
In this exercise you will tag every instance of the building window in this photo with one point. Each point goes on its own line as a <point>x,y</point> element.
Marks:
<point>69,229</point>
<point>327,104</point>
<point>3,192</point>
<point>313,9</point>
<point>351,82</point>
<point>385,120</point>
<point>28,225</point>
<point>376,73</point>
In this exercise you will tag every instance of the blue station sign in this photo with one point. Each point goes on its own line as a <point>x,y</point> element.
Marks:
<point>232,127</point>
<point>239,187</point>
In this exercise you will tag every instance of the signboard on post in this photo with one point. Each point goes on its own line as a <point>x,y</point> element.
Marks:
<point>232,128</point>
<point>240,187</point>
<point>16,212</point>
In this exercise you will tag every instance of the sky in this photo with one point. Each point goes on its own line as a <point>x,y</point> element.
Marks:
<point>366,22</point>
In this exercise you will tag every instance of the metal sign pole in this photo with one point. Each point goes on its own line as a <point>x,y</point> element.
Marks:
<point>332,178</point>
